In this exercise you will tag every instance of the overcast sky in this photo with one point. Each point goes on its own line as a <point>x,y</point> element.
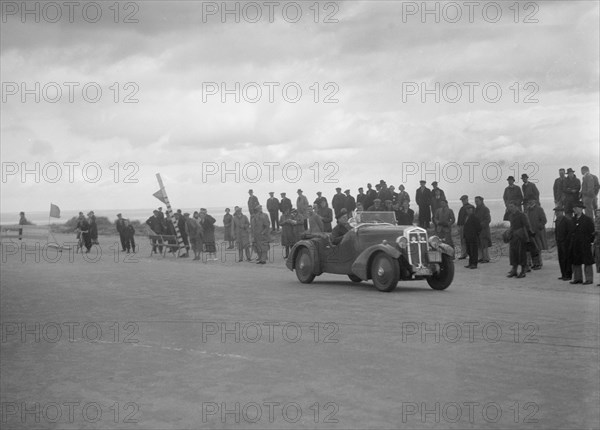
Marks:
<point>371,61</point>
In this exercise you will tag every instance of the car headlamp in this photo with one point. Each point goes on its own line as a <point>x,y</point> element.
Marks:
<point>435,242</point>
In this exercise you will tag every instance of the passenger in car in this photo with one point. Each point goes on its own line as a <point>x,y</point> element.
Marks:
<point>341,228</point>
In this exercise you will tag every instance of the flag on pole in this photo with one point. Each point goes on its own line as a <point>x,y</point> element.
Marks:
<point>54,211</point>
<point>160,196</point>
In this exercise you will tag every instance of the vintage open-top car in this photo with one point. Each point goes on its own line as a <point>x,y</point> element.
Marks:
<point>376,248</point>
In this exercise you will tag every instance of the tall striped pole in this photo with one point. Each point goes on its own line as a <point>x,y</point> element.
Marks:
<point>170,213</point>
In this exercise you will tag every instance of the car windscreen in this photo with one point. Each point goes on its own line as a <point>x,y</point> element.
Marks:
<point>373,217</point>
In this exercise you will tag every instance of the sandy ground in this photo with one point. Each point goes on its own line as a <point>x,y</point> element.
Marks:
<point>166,343</point>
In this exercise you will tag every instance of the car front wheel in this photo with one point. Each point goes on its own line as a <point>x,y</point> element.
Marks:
<point>304,267</point>
<point>442,279</point>
<point>385,272</point>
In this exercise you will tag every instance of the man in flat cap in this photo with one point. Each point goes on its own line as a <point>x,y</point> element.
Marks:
<point>350,203</point>
<point>423,199</point>
<point>285,204</point>
<point>273,208</point>
<point>460,224</point>
<point>252,203</point>
<point>581,247</point>
<point>338,202</point>
<point>563,230</point>
<point>512,193</point>
<point>571,188</point>
<point>120,224</point>
<point>530,191</point>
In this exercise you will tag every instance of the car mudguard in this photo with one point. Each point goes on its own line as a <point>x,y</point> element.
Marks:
<point>312,249</point>
<point>360,267</point>
<point>447,249</point>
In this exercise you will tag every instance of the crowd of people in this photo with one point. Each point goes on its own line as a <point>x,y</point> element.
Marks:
<point>577,223</point>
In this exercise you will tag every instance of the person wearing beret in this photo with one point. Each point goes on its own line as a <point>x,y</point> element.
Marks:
<point>512,193</point>
<point>423,199</point>
<point>563,230</point>
<point>581,246</point>
<point>571,188</point>
<point>471,231</point>
<point>338,202</point>
<point>273,209</point>
<point>350,203</point>
<point>530,191</point>
<point>341,228</point>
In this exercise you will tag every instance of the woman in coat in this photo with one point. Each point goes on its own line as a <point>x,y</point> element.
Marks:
<point>519,237</point>
<point>326,215</point>
<point>288,221</point>
<point>227,223</point>
<point>208,226</point>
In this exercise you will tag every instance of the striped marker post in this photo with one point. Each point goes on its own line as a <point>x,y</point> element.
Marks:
<point>170,213</point>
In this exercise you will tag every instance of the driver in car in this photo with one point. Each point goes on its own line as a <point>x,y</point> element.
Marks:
<point>341,228</point>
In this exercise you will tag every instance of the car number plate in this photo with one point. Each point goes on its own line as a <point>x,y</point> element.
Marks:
<point>435,256</point>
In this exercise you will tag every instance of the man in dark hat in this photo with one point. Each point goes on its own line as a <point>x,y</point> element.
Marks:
<point>285,204</point>
<point>423,199</point>
<point>530,191</point>
<point>341,228</point>
<point>120,224</point>
<point>471,231</point>
<point>512,193</point>
<point>350,203</point>
<point>319,198</point>
<point>273,208</point>
<point>460,223</point>
<point>563,229</point>
<point>571,188</point>
<point>581,247</point>
<point>338,202</point>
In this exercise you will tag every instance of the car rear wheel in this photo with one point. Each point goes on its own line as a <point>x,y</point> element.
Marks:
<point>354,278</point>
<point>304,267</point>
<point>385,272</point>
<point>442,279</point>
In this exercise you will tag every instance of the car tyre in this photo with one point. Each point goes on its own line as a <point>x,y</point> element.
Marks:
<point>385,272</point>
<point>304,266</point>
<point>354,278</point>
<point>442,279</point>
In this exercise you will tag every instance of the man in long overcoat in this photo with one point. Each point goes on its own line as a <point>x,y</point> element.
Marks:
<point>273,209</point>
<point>563,230</point>
<point>423,199</point>
<point>444,219</point>
<point>285,204</point>
<point>485,236</point>
<point>571,189</point>
<point>241,232</point>
<point>519,237</point>
<point>471,232</point>
<point>512,193</point>
<point>260,233</point>
<point>302,208</point>
<point>581,246</point>
<point>537,221</point>
<point>338,202</point>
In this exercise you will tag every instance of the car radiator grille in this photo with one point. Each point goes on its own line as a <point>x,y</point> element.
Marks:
<point>417,249</point>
